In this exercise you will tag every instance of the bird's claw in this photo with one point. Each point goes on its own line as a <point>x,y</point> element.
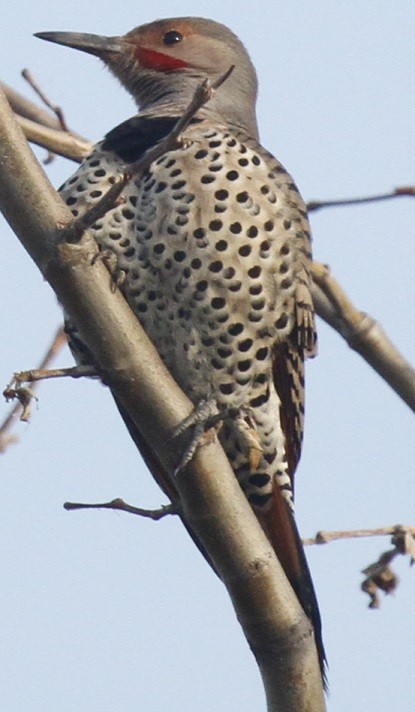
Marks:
<point>204,417</point>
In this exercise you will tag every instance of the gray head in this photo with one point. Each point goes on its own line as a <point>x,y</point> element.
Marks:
<point>161,63</point>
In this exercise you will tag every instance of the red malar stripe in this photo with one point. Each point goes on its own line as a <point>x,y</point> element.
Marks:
<point>156,60</point>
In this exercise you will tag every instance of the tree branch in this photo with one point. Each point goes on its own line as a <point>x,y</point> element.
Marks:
<point>408,191</point>
<point>362,333</point>
<point>119,505</point>
<point>6,438</point>
<point>323,537</point>
<point>276,628</point>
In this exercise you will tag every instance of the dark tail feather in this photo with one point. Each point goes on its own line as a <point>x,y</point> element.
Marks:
<point>279,524</point>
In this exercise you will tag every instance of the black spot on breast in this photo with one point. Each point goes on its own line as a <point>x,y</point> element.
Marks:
<point>245,345</point>
<point>254,272</point>
<point>244,365</point>
<point>179,256</point>
<point>217,302</point>
<point>245,250</point>
<point>202,285</point>
<point>178,184</point>
<point>216,364</point>
<point>282,322</point>
<point>259,479</point>
<point>236,329</point>
<point>235,287</point>
<point>227,388</point>
<point>252,231</point>
<point>259,400</point>
<point>229,272</point>
<point>235,228</point>
<point>262,353</point>
<point>232,175</point>
<point>199,233</point>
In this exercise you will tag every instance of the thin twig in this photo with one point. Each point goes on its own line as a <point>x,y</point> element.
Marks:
<point>314,205</point>
<point>57,110</point>
<point>59,340</point>
<point>41,374</point>
<point>323,537</point>
<point>119,504</point>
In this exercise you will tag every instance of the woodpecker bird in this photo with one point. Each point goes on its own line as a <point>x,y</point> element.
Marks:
<point>215,246</point>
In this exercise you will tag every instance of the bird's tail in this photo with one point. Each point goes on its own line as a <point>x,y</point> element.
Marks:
<point>277,520</point>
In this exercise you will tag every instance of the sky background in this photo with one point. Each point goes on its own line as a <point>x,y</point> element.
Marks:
<point>101,611</point>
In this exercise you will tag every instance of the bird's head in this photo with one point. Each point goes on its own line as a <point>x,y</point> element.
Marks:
<point>161,63</point>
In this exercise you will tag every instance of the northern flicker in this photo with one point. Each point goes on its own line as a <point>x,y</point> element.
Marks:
<point>215,246</point>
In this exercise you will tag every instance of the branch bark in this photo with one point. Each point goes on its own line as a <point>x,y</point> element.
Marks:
<point>275,626</point>
<point>362,333</point>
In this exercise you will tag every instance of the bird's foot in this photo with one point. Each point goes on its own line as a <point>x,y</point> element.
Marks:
<point>203,418</point>
<point>110,260</point>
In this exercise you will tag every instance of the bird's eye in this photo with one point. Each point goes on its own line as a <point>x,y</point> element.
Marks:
<point>172,37</point>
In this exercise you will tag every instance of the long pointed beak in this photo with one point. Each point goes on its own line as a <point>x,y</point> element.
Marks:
<point>93,44</point>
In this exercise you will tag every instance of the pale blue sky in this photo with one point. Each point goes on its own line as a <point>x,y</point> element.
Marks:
<point>102,612</point>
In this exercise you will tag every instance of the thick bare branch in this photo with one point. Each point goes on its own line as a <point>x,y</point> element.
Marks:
<point>44,128</point>
<point>278,631</point>
<point>61,142</point>
<point>362,333</point>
